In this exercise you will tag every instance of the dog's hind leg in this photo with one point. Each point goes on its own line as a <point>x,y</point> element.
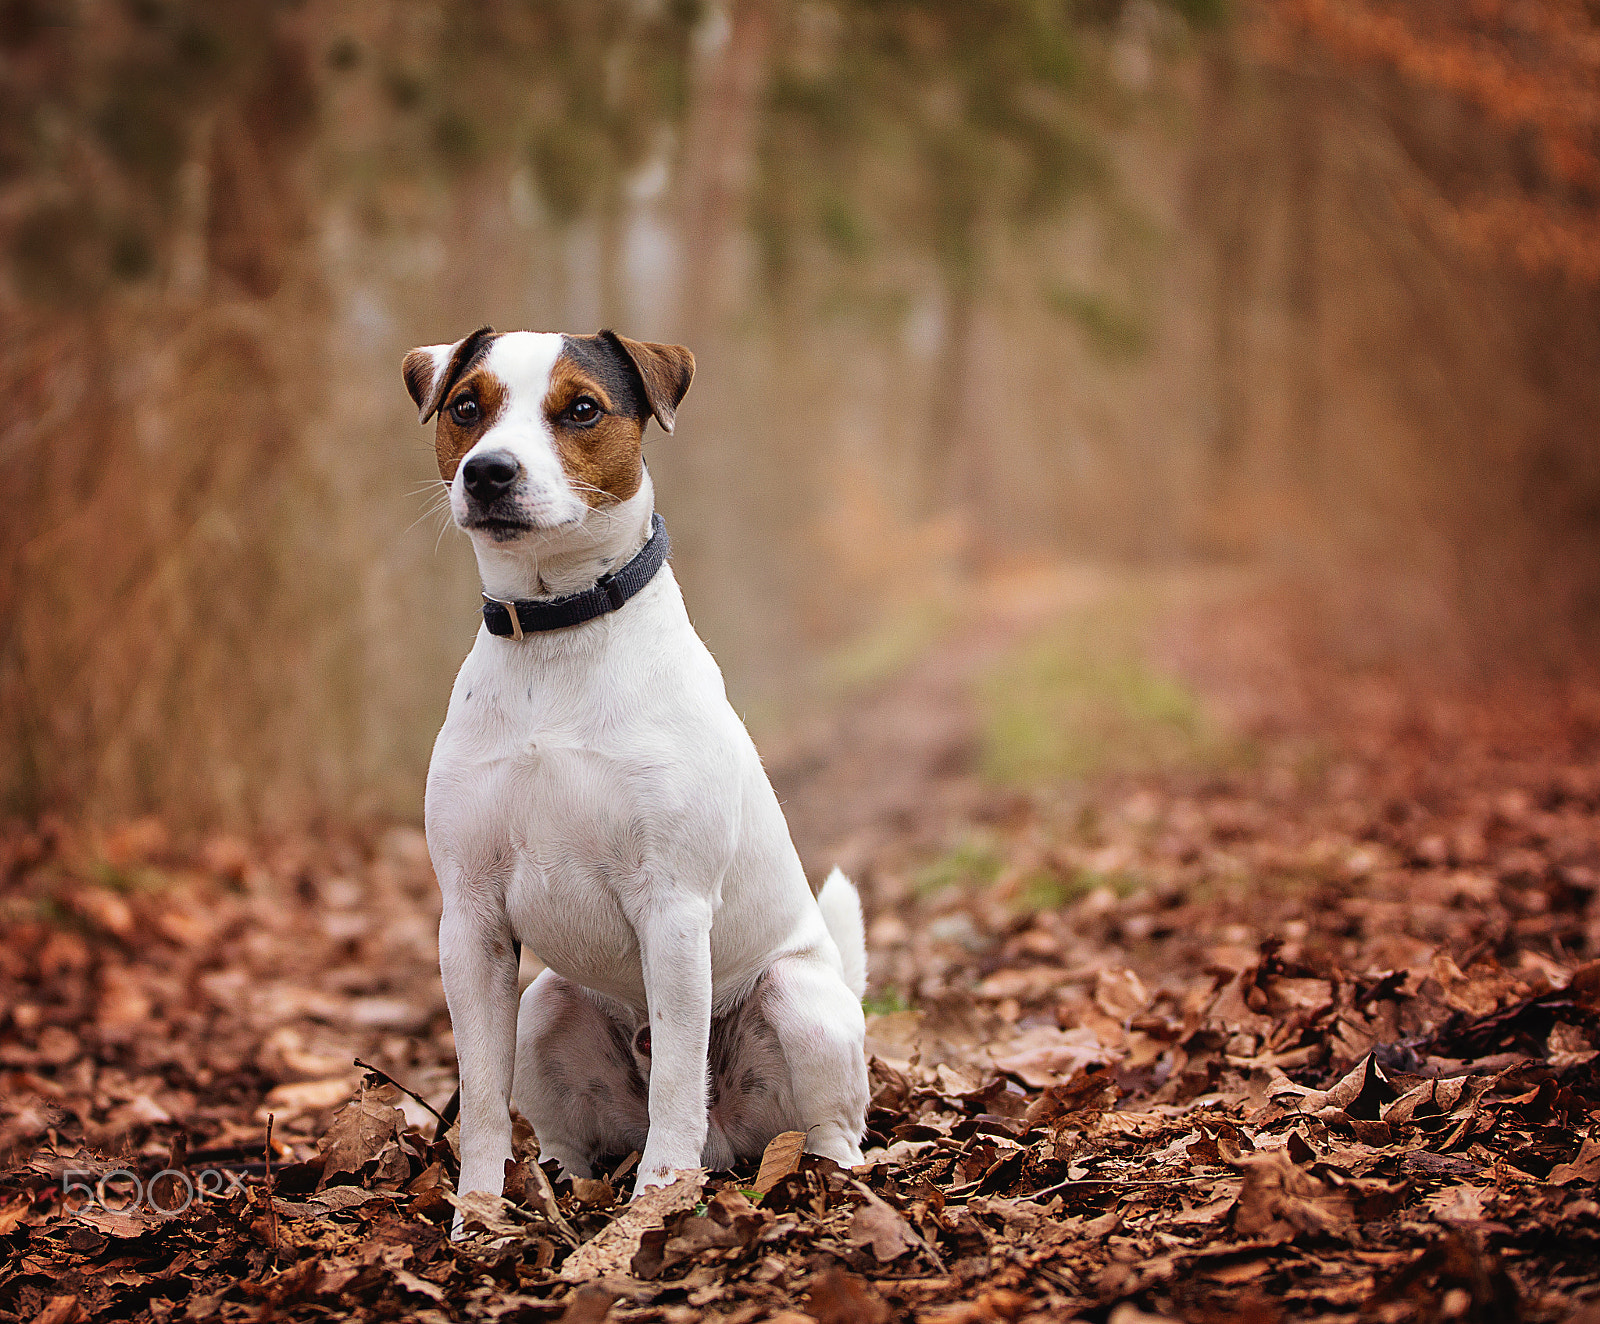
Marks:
<point>577,1081</point>
<point>821,1029</point>
<point>751,1099</point>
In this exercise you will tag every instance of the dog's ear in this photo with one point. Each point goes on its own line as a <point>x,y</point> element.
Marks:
<point>665,371</point>
<point>432,370</point>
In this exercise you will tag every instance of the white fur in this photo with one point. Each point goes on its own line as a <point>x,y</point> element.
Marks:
<point>841,910</point>
<point>593,794</point>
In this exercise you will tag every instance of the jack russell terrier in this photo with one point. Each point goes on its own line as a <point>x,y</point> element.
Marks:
<point>593,795</point>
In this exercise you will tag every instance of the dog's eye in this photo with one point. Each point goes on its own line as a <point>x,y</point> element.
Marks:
<point>583,411</point>
<point>465,410</point>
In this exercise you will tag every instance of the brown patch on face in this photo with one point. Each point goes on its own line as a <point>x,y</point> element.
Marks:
<point>602,459</point>
<point>453,439</point>
<point>427,385</point>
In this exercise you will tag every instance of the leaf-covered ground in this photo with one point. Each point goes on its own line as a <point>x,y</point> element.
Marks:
<point>1306,1028</point>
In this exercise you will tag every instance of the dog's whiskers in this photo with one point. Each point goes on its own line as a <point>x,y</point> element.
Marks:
<point>440,504</point>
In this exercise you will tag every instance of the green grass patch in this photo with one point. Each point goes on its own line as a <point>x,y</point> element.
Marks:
<point>1081,701</point>
<point>885,1002</point>
<point>136,878</point>
<point>973,863</point>
<point>1112,330</point>
<point>887,648</point>
<point>1050,891</point>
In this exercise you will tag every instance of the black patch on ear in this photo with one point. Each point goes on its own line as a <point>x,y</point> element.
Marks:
<point>664,373</point>
<point>467,353</point>
<point>606,361</point>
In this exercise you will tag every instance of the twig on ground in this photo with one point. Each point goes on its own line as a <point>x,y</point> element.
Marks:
<point>387,1079</point>
<point>272,1206</point>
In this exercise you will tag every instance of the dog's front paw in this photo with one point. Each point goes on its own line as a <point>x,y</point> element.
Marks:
<point>656,1174</point>
<point>652,1177</point>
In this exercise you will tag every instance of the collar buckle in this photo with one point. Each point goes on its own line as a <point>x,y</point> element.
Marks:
<point>608,593</point>
<point>615,594</point>
<point>511,611</point>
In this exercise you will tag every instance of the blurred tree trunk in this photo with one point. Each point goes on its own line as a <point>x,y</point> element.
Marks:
<point>729,82</point>
<point>1231,197</point>
<point>947,412</point>
<point>612,233</point>
<point>189,265</point>
<point>1307,108</point>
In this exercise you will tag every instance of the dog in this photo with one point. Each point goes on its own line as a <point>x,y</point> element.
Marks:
<point>593,795</point>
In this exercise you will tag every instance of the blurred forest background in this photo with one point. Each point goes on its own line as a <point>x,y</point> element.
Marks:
<point>1308,289</point>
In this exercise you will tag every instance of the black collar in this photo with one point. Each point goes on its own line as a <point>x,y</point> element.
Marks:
<point>512,620</point>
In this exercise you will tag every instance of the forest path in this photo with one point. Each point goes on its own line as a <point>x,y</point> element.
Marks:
<point>1211,979</point>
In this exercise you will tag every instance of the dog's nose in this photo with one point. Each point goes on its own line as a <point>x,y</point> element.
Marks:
<point>488,476</point>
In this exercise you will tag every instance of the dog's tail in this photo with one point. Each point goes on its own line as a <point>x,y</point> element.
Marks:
<point>841,910</point>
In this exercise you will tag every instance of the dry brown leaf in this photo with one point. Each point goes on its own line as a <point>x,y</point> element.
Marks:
<point>304,1096</point>
<point>526,1181</point>
<point>837,1297</point>
<point>1279,1201</point>
<point>326,1201</point>
<point>1046,1056</point>
<point>419,1286</point>
<point>1457,1204</point>
<point>611,1252</point>
<point>730,1222</point>
<point>589,1304</point>
<point>879,1227</point>
<point>122,1226</point>
<point>360,1130</point>
<point>12,1214</point>
<point>61,1310</point>
<point>1121,994</point>
<point>780,1158</point>
<point>1585,1167</point>
<point>492,1214</point>
<point>1362,1092</point>
<point>594,1194</point>
<point>1127,1313</point>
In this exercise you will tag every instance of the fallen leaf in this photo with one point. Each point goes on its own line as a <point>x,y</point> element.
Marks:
<point>419,1286</point>
<point>359,1131</point>
<point>1121,994</point>
<point>730,1222</point>
<point>1362,1092</point>
<point>1047,1056</point>
<point>305,1096</point>
<point>837,1297</point>
<point>1457,1204</point>
<point>612,1251</point>
<point>588,1305</point>
<point>1279,1201</point>
<point>779,1159</point>
<point>12,1214</point>
<point>526,1181</point>
<point>123,1226</point>
<point>879,1227</point>
<point>60,1310</point>
<point>492,1214</point>
<point>593,1194</point>
<point>1127,1313</point>
<point>326,1201</point>
<point>1585,1167</point>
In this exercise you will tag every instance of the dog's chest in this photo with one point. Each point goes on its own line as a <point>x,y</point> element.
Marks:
<point>578,788</point>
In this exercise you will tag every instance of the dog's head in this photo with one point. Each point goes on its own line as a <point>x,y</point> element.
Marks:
<point>537,430</point>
